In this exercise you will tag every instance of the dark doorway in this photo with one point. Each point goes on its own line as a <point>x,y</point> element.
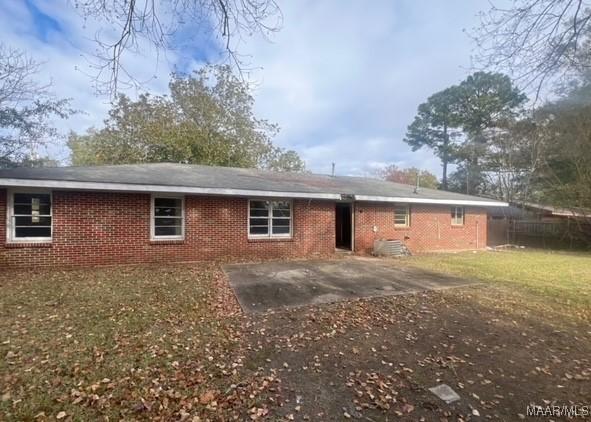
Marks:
<point>343,226</point>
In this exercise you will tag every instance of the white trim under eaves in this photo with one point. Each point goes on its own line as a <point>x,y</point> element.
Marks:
<point>430,201</point>
<point>126,187</point>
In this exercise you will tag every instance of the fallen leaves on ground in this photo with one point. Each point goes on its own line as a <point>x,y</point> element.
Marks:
<point>170,343</point>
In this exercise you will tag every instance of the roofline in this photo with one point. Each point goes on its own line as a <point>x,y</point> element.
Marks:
<point>556,211</point>
<point>127,187</point>
<point>136,187</point>
<point>430,201</point>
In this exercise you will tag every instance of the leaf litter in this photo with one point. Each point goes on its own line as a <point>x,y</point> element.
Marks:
<point>170,343</point>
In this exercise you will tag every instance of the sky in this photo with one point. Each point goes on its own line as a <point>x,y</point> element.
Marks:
<point>342,78</point>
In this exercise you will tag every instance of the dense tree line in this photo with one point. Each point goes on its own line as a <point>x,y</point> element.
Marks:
<point>206,119</point>
<point>505,150</point>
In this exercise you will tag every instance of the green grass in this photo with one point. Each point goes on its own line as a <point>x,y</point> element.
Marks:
<point>104,342</point>
<point>556,278</point>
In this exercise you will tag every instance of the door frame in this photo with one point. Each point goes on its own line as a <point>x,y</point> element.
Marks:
<point>352,210</point>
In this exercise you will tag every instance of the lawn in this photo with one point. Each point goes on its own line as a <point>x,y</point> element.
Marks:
<point>121,342</point>
<point>560,280</point>
<point>169,343</point>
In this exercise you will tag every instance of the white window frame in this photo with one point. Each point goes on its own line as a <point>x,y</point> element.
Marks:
<point>153,218</point>
<point>407,216</point>
<point>454,217</point>
<point>10,222</point>
<point>270,234</point>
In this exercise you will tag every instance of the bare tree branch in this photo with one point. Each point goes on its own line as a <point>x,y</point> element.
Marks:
<point>25,107</point>
<point>131,25</point>
<point>535,40</point>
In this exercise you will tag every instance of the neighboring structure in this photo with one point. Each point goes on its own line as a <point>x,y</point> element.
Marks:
<point>537,225</point>
<point>72,216</point>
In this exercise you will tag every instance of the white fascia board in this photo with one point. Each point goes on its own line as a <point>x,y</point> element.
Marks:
<point>125,187</point>
<point>370,198</point>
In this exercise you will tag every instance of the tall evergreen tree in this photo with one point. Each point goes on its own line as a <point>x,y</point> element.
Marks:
<point>486,101</point>
<point>435,126</point>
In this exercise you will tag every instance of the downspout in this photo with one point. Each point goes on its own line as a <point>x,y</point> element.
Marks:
<point>477,239</point>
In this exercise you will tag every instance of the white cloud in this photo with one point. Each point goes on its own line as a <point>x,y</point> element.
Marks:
<point>65,59</point>
<point>342,78</point>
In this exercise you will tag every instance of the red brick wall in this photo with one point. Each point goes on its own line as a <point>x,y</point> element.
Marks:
<point>430,227</point>
<point>91,228</point>
<point>96,228</point>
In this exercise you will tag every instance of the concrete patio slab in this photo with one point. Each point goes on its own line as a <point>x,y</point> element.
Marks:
<point>264,286</point>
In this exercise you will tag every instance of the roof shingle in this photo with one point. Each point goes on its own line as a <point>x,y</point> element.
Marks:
<point>177,176</point>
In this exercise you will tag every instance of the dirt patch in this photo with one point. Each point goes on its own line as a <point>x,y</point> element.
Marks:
<point>376,358</point>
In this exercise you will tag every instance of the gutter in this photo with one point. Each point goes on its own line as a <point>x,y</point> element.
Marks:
<point>411,200</point>
<point>126,187</point>
<point>136,187</point>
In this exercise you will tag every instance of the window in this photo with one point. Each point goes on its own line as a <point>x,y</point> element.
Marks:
<point>269,218</point>
<point>168,218</point>
<point>401,216</point>
<point>457,216</point>
<point>29,217</point>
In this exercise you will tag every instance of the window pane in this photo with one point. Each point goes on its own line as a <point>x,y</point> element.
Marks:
<point>163,221</point>
<point>259,213</point>
<point>281,213</point>
<point>259,222</point>
<point>281,222</point>
<point>28,210</point>
<point>167,202</point>
<point>259,230</point>
<point>259,204</point>
<point>166,212</point>
<point>27,198</point>
<point>32,221</point>
<point>401,216</point>
<point>167,231</point>
<point>33,210</point>
<point>22,209</point>
<point>280,229</point>
<point>457,216</point>
<point>32,232</point>
<point>168,217</point>
<point>283,205</point>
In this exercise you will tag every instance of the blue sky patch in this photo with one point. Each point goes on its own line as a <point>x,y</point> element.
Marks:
<point>196,42</point>
<point>44,25</point>
<point>342,80</point>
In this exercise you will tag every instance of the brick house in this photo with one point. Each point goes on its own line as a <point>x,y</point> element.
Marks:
<point>77,216</point>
